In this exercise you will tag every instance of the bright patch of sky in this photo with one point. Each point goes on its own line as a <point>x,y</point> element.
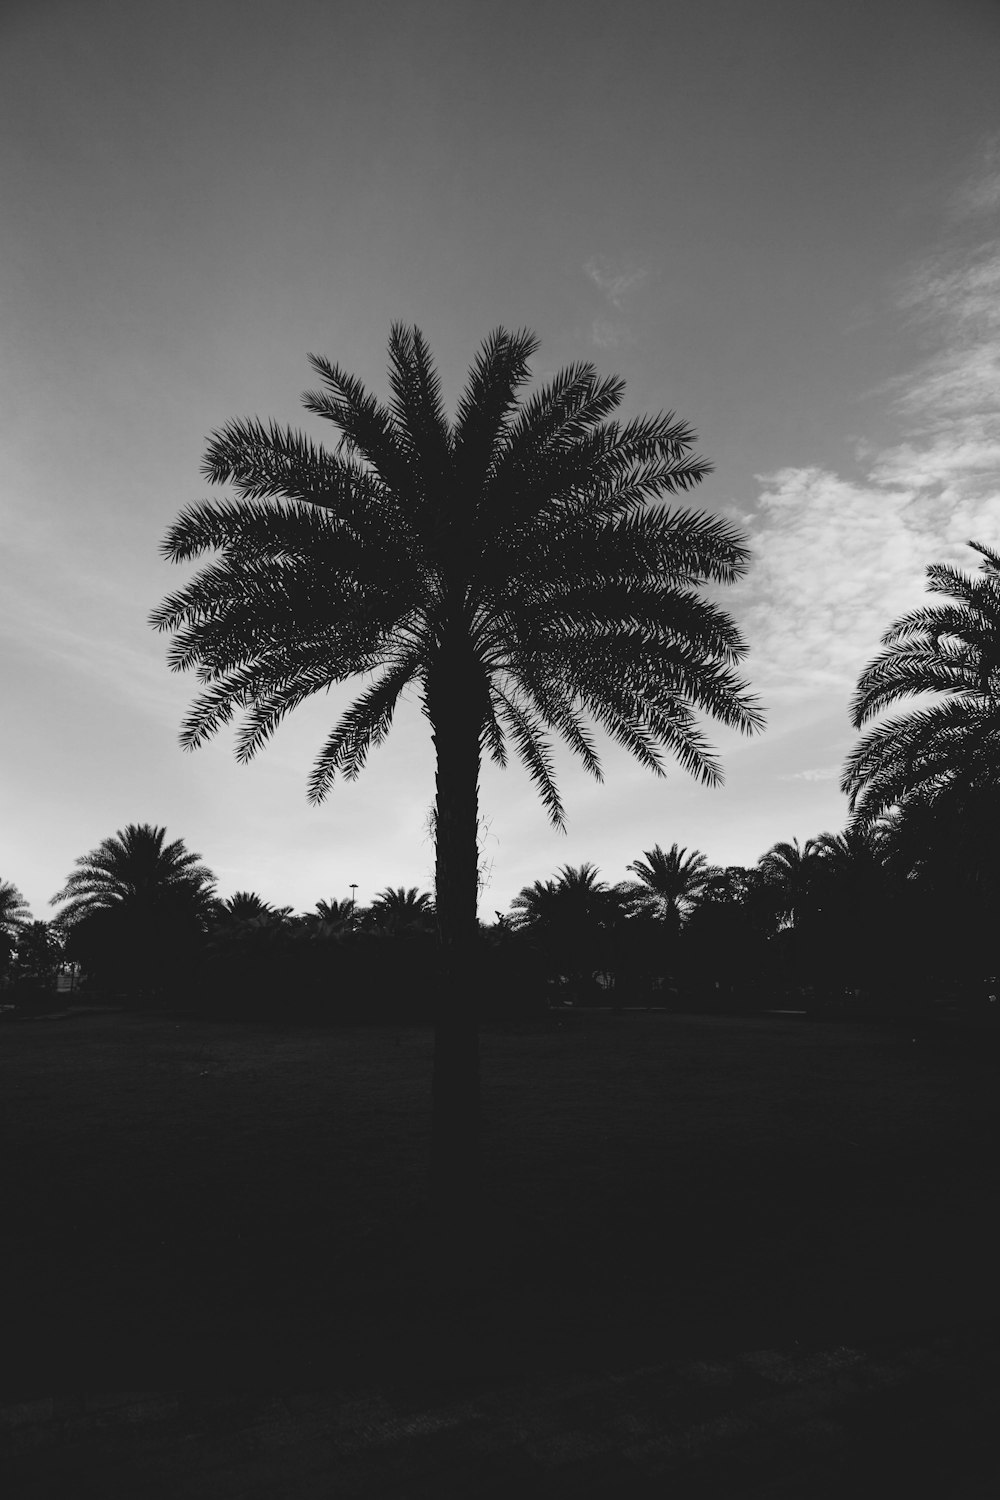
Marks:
<point>780,220</point>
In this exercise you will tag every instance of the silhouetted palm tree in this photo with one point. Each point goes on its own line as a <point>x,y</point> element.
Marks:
<point>335,911</point>
<point>577,890</point>
<point>569,921</point>
<point>400,911</point>
<point>401,907</point>
<point>15,914</point>
<point>247,906</point>
<point>669,883</point>
<point>787,873</point>
<point>853,863</point>
<point>508,563</point>
<point>953,651</point>
<point>136,909</point>
<point>135,869</point>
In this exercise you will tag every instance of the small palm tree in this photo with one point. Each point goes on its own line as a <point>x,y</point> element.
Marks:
<point>515,564</point>
<point>400,910</point>
<point>246,906</point>
<point>136,909</point>
<point>669,883</point>
<point>576,892</point>
<point>569,921</point>
<point>787,873</point>
<point>15,913</point>
<point>14,918</point>
<point>951,650</point>
<point>531,905</point>
<point>335,912</point>
<point>856,858</point>
<point>137,870</point>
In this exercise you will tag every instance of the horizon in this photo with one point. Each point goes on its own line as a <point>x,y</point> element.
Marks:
<point>794,243</point>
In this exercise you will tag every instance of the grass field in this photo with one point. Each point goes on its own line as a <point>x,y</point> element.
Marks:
<point>212,1204</point>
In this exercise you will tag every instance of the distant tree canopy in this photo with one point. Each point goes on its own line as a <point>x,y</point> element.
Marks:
<point>38,956</point>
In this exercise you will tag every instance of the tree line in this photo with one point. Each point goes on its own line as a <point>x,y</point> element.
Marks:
<point>889,916</point>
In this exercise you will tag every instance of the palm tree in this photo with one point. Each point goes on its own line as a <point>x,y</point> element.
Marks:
<point>15,914</point>
<point>570,921</point>
<point>136,908</point>
<point>508,563</point>
<point>951,650</point>
<point>669,883</point>
<point>787,873</point>
<point>134,869</point>
<point>247,906</point>
<point>576,889</point>
<point>335,912</point>
<point>401,908</point>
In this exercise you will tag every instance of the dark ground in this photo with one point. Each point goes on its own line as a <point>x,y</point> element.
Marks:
<point>219,1208</point>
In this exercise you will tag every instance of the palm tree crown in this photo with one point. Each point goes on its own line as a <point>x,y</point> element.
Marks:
<point>135,868</point>
<point>247,906</point>
<point>15,913</point>
<point>953,651</point>
<point>787,873</point>
<point>403,902</point>
<point>336,910</point>
<point>669,882</point>
<point>399,909</point>
<point>577,894</point>
<point>508,557</point>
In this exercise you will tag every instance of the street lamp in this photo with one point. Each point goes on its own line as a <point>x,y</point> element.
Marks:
<point>353,889</point>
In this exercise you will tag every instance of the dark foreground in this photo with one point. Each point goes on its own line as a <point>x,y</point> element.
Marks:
<point>757,1244</point>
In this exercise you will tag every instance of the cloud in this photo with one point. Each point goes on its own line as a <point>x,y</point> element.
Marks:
<point>980,194</point>
<point>608,334</point>
<point>818,773</point>
<point>836,559</point>
<point>614,284</point>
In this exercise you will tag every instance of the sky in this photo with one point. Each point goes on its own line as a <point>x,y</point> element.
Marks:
<point>781,220</point>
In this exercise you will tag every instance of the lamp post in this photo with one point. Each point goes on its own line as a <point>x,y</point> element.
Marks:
<point>353,889</point>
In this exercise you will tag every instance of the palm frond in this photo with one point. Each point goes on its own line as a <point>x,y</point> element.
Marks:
<point>417,407</point>
<point>499,371</point>
<point>364,726</point>
<point>367,426</point>
<point>534,751</point>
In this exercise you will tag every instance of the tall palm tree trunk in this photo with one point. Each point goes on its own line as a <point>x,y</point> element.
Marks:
<point>455,1126</point>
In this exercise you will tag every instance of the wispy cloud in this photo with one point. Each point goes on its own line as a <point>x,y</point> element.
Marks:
<point>615,285</point>
<point>837,559</point>
<point>606,333</point>
<point>817,773</point>
<point>980,193</point>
